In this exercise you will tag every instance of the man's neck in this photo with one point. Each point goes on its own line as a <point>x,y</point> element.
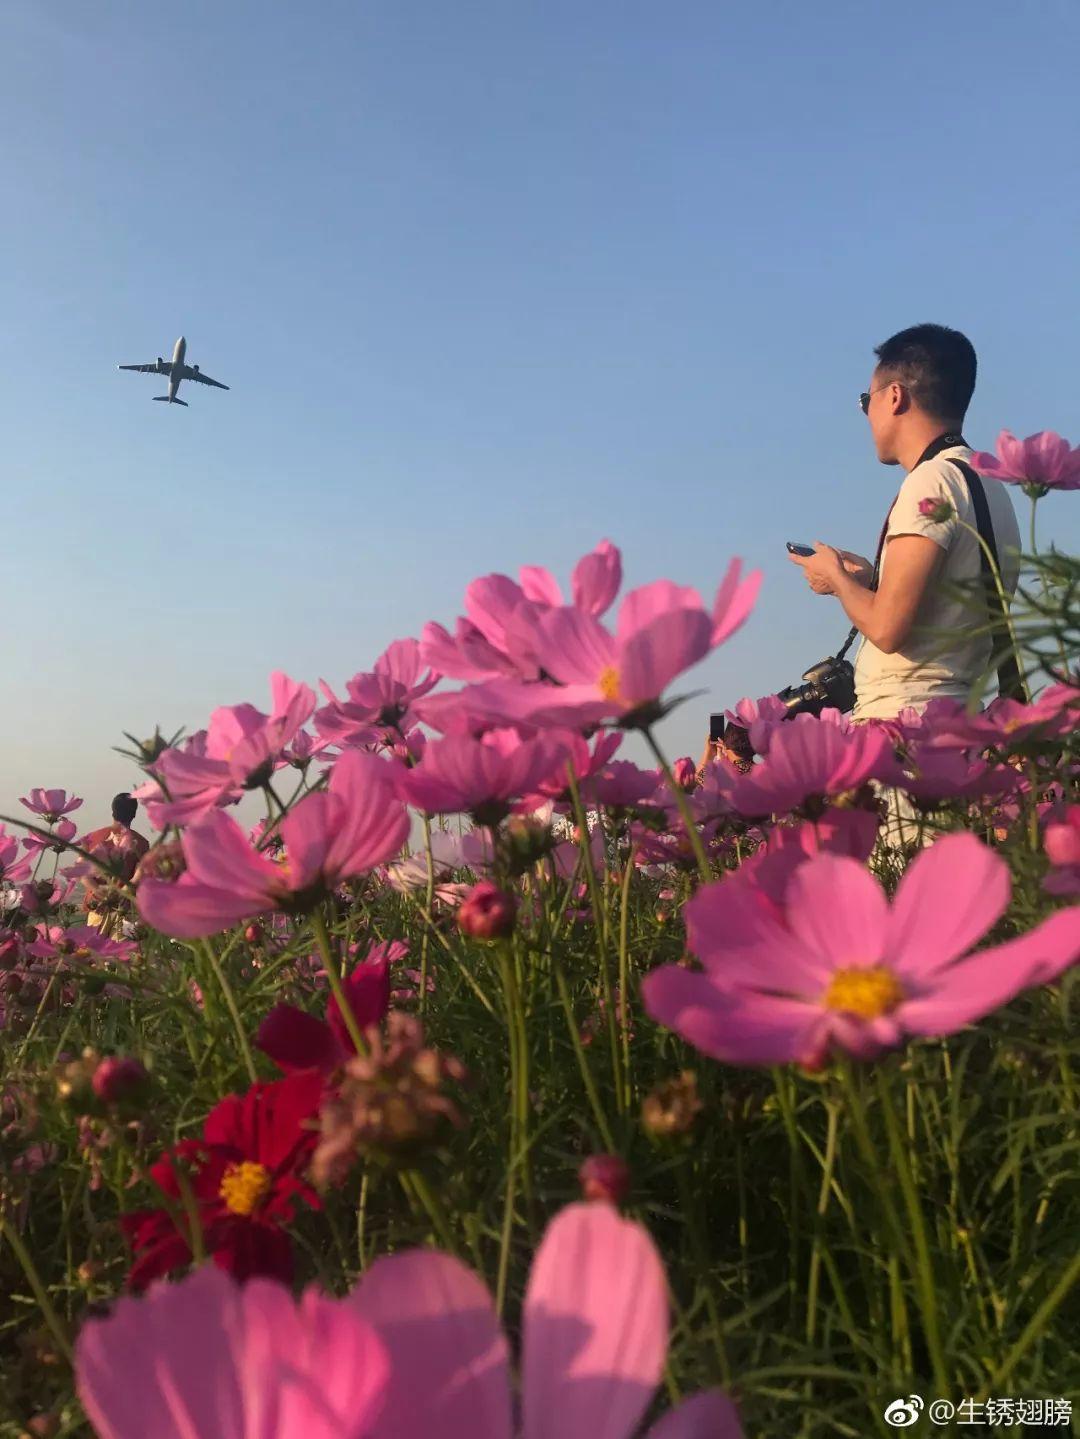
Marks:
<point>920,438</point>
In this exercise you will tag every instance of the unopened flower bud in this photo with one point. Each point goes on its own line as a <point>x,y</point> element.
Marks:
<point>165,862</point>
<point>118,1078</point>
<point>672,1107</point>
<point>605,1177</point>
<point>88,1272</point>
<point>685,772</point>
<point>9,949</point>
<point>253,933</point>
<point>487,912</point>
<point>936,511</point>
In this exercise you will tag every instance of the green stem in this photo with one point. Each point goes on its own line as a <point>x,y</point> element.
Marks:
<point>1005,610</point>
<point>819,1220</point>
<point>923,1268</point>
<point>333,974</point>
<point>693,834</point>
<point>624,975</point>
<point>419,1186</point>
<point>600,920</point>
<point>45,1304</point>
<point>583,1063</point>
<point>231,1006</point>
<point>1036,1324</point>
<point>429,905</point>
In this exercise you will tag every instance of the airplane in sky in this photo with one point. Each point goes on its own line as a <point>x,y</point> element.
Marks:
<point>176,371</point>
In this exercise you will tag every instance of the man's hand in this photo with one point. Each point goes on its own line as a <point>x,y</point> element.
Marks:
<point>858,567</point>
<point>824,569</point>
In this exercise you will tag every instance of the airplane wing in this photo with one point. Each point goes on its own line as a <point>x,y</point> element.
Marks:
<point>154,369</point>
<point>189,372</point>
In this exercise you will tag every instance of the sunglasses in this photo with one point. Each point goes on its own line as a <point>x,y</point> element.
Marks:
<point>864,398</point>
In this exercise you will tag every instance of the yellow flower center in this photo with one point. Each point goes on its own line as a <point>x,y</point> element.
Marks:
<point>245,1186</point>
<point>869,993</point>
<point>608,683</point>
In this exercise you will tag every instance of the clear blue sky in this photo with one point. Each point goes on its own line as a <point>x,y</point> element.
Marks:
<point>489,281</point>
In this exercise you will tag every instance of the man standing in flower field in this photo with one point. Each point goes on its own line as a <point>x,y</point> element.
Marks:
<point>919,641</point>
<point>118,838</point>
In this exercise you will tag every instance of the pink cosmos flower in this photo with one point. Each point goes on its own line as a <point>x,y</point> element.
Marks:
<point>209,1359</point>
<point>240,750</point>
<point>378,700</point>
<point>840,968</point>
<point>13,870</point>
<point>935,775</point>
<point>357,824</point>
<point>462,775</point>
<point>50,803</point>
<point>82,943</point>
<point>63,834</point>
<point>1003,723</point>
<point>808,759</point>
<point>662,630</point>
<point>1062,844</point>
<point>1041,462</point>
<point>622,783</point>
<point>497,638</point>
<point>759,718</point>
<point>415,1351</point>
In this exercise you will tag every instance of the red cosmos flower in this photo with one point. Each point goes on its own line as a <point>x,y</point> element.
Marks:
<point>296,1040</point>
<point>244,1176</point>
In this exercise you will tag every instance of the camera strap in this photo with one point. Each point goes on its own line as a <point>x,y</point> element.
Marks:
<point>1010,683</point>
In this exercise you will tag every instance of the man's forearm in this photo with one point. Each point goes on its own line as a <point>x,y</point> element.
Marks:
<point>859,604</point>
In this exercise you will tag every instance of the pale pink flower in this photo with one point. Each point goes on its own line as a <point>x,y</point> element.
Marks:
<point>1041,462</point>
<point>622,783</point>
<point>595,1334</point>
<point>355,825</point>
<point>50,803</point>
<point>81,944</point>
<point>935,775</point>
<point>206,1359</point>
<point>415,1352</point>
<point>839,968</point>
<point>62,836</point>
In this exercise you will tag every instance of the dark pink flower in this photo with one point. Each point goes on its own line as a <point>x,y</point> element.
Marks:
<point>1041,462</point>
<point>118,1077</point>
<point>841,968</point>
<point>621,784</point>
<point>685,772</point>
<point>50,803</point>
<point>487,912</point>
<point>934,775</point>
<point>296,1040</point>
<point>357,824</point>
<point>604,1177</point>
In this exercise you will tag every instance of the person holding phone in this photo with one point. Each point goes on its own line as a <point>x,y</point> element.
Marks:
<point>919,641</point>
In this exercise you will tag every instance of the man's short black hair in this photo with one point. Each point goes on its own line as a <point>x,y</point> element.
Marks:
<point>124,807</point>
<point>938,366</point>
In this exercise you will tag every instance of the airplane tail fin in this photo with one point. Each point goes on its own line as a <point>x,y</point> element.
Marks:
<point>174,401</point>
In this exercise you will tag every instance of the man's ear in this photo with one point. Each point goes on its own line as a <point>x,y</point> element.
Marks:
<point>899,398</point>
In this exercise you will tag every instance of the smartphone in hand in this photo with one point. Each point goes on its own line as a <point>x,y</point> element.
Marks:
<point>803,551</point>
<point>717,724</point>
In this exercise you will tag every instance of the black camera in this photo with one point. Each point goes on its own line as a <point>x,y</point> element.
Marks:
<point>830,684</point>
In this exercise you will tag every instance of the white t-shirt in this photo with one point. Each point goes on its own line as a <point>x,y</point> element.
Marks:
<point>942,657</point>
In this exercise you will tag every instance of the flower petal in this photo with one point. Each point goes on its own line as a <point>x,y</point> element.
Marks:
<point>951,894</point>
<point>595,1327</point>
<point>449,1361</point>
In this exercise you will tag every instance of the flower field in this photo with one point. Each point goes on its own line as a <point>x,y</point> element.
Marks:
<point>497,1084</point>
